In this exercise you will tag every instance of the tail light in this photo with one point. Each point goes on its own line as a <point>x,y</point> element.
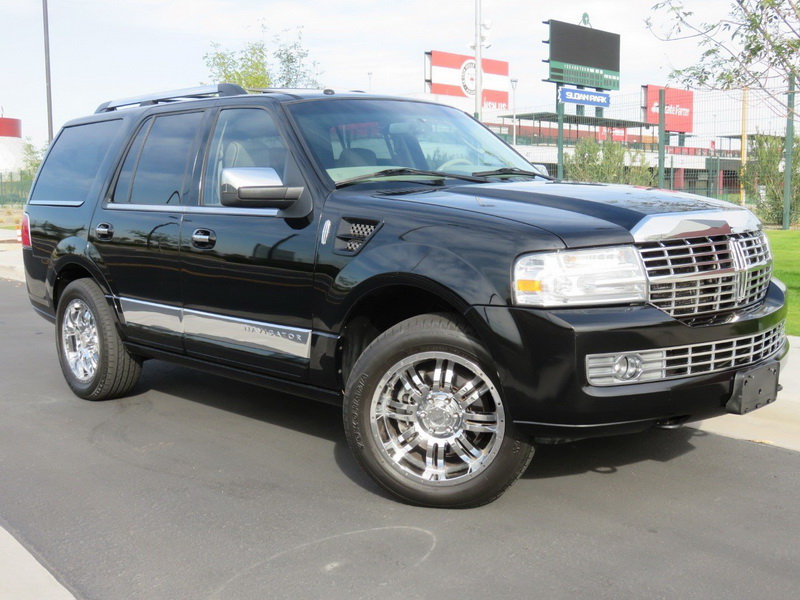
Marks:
<point>25,231</point>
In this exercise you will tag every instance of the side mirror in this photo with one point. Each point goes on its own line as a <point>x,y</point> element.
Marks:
<point>255,187</point>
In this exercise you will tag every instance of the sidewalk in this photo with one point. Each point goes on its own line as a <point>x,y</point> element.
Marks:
<point>10,256</point>
<point>22,577</point>
<point>777,424</point>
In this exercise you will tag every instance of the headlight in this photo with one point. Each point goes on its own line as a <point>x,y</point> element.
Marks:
<point>613,275</point>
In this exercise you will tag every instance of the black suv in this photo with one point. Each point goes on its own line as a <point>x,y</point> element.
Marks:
<point>396,258</point>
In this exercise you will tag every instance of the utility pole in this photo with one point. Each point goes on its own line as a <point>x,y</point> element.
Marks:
<point>478,62</point>
<point>662,96</point>
<point>560,138</point>
<point>742,194</point>
<point>788,166</point>
<point>47,73</point>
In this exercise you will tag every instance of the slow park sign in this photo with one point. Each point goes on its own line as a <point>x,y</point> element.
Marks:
<point>587,97</point>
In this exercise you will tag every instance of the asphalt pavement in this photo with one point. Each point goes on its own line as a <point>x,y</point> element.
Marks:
<point>200,487</point>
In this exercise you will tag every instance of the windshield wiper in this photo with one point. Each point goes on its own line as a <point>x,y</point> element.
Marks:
<point>511,171</point>
<point>408,171</point>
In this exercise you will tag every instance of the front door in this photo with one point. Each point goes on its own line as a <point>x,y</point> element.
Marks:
<point>247,274</point>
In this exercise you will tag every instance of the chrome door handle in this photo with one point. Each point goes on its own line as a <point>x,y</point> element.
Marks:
<point>203,238</point>
<point>104,231</point>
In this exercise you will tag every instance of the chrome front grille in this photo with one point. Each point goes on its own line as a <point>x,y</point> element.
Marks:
<point>686,256</point>
<point>707,275</point>
<point>684,361</point>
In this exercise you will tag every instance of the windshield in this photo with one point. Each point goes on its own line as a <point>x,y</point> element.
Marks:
<point>351,138</point>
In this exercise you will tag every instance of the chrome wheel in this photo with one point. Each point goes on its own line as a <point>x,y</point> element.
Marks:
<point>80,340</point>
<point>438,418</point>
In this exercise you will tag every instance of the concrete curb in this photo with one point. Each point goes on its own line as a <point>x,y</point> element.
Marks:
<point>21,575</point>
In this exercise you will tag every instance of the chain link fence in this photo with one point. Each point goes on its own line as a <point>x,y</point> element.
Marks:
<point>14,188</point>
<point>731,147</point>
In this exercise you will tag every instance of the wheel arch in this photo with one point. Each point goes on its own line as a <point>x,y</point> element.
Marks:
<point>67,270</point>
<point>388,300</point>
<point>70,260</point>
<point>73,267</point>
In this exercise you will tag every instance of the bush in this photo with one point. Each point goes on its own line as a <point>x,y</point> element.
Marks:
<point>763,178</point>
<point>605,162</point>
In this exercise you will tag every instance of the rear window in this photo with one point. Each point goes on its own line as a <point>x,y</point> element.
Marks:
<point>73,163</point>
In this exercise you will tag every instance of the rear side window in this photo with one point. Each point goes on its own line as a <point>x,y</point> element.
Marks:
<point>154,170</point>
<point>74,162</point>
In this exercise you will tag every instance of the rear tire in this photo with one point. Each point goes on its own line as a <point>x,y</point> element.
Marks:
<point>93,358</point>
<point>426,420</point>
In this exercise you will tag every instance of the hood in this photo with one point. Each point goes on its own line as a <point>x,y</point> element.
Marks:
<point>581,214</point>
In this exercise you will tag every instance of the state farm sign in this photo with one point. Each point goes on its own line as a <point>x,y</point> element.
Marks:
<point>678,108</point>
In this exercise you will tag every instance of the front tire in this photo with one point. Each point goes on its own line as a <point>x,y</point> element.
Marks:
<point>426,420</point>
<point>93,358</point>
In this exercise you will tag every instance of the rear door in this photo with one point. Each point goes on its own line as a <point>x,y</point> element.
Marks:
<point>136,230</point>
<point>247,272</point>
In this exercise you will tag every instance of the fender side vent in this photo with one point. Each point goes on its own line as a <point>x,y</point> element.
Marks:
<point>353,233</point>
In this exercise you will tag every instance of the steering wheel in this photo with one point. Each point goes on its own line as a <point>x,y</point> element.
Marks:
<point>452,163</point>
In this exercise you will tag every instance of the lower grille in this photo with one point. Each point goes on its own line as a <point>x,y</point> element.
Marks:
<point>684,361</point>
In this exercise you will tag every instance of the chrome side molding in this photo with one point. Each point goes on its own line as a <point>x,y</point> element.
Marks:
<point>244,334</point>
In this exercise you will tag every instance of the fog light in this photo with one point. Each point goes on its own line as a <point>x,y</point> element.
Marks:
<point>628,367</point>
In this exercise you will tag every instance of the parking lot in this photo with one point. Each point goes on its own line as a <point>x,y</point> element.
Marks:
<point>201,487</point>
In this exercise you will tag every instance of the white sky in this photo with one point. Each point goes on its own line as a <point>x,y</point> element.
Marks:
<point>101,50</point>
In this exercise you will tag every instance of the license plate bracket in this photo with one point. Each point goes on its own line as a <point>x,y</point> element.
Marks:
<point>754,388</point>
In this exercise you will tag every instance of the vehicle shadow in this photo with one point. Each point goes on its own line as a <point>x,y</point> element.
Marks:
<point>245,399</point>
<point>599,455</point>
<point>279,409</point>
<point>607,455</point>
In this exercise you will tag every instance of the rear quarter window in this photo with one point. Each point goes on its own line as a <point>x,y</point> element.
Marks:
<point>73,163</point>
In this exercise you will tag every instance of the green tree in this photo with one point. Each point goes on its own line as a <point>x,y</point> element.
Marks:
<point>256,66</point>
<point>757,46</point>
<point>606,162</point>
<point>31,159</point>
<point>247,67</point>
<point>763,177</point>
<point>292,68</point>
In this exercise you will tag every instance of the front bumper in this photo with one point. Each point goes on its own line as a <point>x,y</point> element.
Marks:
<point>541,360</point>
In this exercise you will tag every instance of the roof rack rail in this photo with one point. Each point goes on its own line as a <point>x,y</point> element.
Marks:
<point>220,89</point>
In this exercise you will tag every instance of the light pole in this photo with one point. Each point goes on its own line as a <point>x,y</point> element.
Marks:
<point>47,73</point>
<point>514,111</point>
<point>478,62</point>
<point>479,44</point>
<point>370,81</point>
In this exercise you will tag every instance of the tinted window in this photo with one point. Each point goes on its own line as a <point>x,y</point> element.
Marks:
<point>158,170</point>
<point>349,138</point>
<point>122,191</point>
<point>74,162</point>
<point>245,137</point>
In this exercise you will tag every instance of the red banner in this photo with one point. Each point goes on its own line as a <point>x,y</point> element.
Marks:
<point>678,108</point>
<point>454,75</point>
